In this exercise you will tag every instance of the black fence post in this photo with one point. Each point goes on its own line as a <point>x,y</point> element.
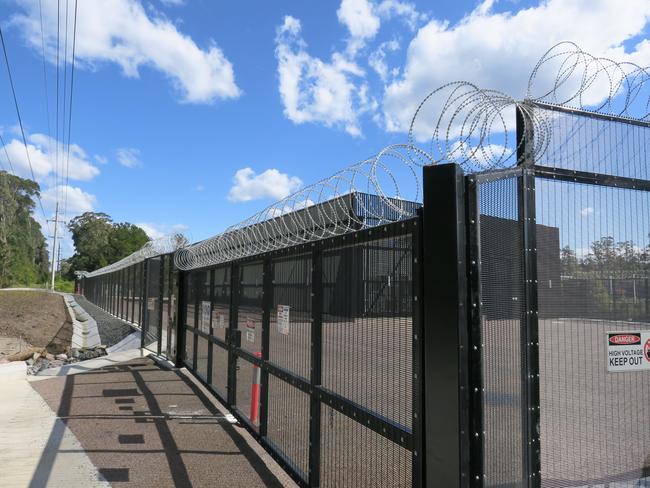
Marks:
<point>143,303</point>
<point>267,304</point>
<point>211,346</point>
<point>417,314</point>
<point>234,334</point>
<point>316,365</point>
<point>445,327</point>
<point>475,349</point>
<point>530,330</point>
<point>161,298</point>
<point>530,333</point>
<point>180,318</point>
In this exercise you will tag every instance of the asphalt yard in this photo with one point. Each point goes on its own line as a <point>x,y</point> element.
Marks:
<point>144,425</point>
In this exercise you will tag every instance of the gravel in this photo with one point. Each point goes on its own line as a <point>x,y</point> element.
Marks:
<point>111,330</point>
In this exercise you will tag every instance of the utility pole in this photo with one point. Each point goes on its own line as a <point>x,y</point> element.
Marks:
<point>53,255</point>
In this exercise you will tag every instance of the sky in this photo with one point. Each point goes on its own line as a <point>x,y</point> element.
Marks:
<point>191,115</point>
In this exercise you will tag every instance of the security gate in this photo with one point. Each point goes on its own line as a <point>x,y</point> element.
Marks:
<point>315,349</point>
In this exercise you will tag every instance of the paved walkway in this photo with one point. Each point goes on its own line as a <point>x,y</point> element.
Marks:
<point>142,425</point>
<point>36,447</point>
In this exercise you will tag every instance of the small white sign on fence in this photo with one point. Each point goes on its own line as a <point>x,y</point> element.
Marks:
<point>283,319</point>
<point>205,317</point>
<point>628,351</point>
<point>250,331</point>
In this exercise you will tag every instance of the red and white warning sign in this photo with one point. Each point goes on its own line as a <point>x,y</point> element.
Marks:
<point>628,351</point>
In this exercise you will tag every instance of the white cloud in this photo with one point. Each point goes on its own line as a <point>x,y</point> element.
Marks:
<point>101,159</point>
<point>363,17</point>
<point>156,231</point>
<point>377,60</point>
<point>199,188</point>
<point>129,157</point>
<point>587,211</point>
<point>405,10</point>
<point>121,32</point>
<point>359,18</point>
<point>269,184</point>
<point>499,50</point>
<point>48,159</point>
<point>77,201</point>
<point>172,3</point>
<point>316,91</point>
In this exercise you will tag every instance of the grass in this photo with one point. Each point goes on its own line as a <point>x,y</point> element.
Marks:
<point>61,285</point>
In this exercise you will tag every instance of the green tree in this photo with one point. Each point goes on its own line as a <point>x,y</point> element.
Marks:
<point>23,251</point>
<point>98,241</point>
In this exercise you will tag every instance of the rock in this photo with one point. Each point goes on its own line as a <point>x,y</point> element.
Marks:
<point>61,357</point>
<point>36,356</point>
<point>49,357</point>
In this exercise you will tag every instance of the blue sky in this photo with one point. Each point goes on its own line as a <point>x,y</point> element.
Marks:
<point>192,115</point>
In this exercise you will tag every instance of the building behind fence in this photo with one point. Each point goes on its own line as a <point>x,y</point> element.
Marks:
<point>379,342</point>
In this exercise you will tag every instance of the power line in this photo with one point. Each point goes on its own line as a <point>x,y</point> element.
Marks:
<point>56,142</point>
<point>20,121</point>
<point>4,146</point>
<point>47,96</point>
<point>67,166</point>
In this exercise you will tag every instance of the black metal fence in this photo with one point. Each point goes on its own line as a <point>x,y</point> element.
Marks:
<point>464,347</point>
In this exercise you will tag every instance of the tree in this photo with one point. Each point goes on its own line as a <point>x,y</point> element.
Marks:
<point>23,251</point>
<point>568,261</point>
<point>98,241</point>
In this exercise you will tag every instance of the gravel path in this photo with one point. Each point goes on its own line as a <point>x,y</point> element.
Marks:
<point>111,330</point>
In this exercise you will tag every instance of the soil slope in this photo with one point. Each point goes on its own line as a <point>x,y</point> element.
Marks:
<point>38,317</point>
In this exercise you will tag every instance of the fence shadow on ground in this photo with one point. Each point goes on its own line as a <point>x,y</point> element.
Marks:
<point>138,421</point>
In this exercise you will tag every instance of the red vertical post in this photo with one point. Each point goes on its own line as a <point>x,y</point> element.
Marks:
<point>255,392</point>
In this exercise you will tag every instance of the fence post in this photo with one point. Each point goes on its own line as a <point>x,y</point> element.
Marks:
<point>316,368</point>
<point>445,327</point>
<point>234,335</point>
<point>143,302</point>
<point>180,318</point>
<point>267,305</point>
<point>530,331</point>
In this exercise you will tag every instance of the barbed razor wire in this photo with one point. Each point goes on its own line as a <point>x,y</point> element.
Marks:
<point>457,123</point>
<point>153,248</point>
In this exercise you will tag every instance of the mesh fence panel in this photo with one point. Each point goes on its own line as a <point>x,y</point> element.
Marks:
<point>221,302</point>
<point>249,313</point>
<point>353,455</point>
<point>502,282</point>
<point>290,333</point>
<point>367,325</point>
<point>595,145</point>
<point>220,370</point>
<point>202,357</point>
<point>153,304</point>
<point>246,371</point>
<point>164,325</point>
<point>288,423</point>
<point>595,427</point>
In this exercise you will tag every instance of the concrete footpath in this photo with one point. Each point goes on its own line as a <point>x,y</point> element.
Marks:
<point>133,423</point>
<point>36,447</point>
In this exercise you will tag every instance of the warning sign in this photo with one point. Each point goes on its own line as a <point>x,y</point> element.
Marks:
<point>250,331</point>
<point>283,319</point>
<point>628,351</point>
<point>221,323</point>
<point>205,317</point>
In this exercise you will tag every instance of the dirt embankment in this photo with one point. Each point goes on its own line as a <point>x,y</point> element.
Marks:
<point>37,317</point>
